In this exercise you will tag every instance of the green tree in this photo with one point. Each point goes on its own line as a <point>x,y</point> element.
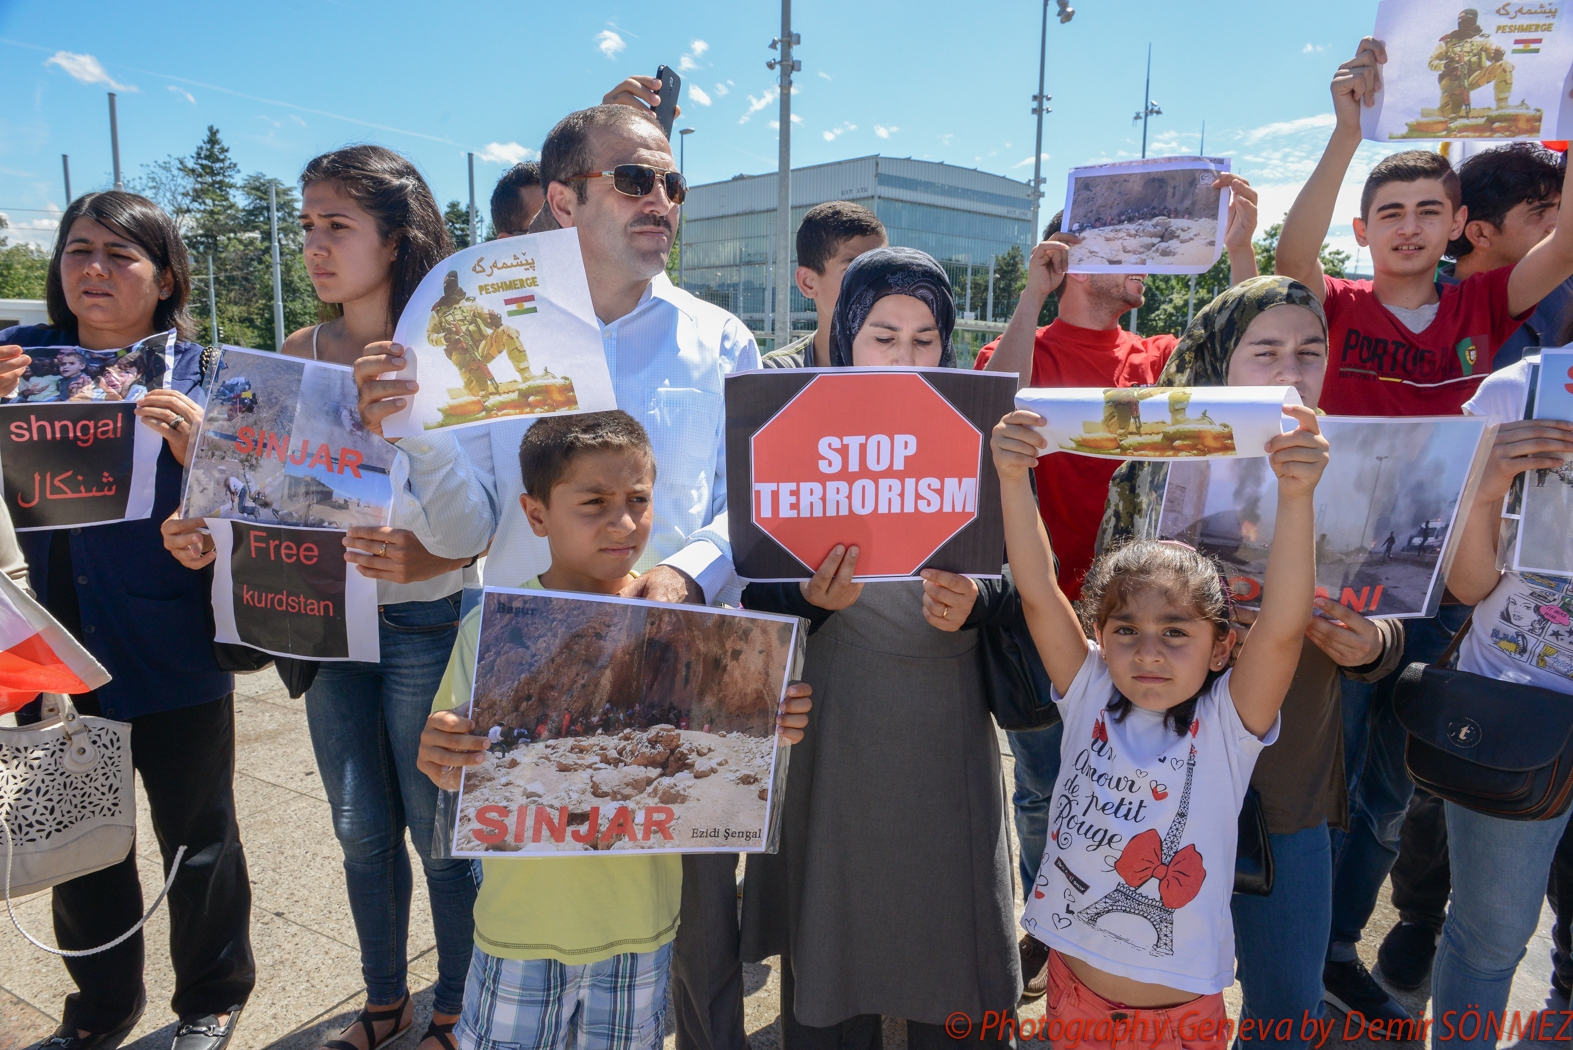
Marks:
<point>457,216</point>
<point>23,268</point>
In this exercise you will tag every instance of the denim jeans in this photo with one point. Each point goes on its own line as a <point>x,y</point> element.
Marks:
<point>1379,786</point>
<point>366,722</point>
<point>1280,940</point>
<point>1037,768</point>
<point>1499,877</point>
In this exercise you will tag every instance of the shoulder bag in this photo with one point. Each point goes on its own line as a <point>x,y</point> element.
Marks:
<point>1253,857</point>
<point>1498,748</point>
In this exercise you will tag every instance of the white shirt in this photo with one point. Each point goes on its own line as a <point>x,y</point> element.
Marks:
<point>668,358</point>
<point>1139,867</point>
<point>1522,631</point>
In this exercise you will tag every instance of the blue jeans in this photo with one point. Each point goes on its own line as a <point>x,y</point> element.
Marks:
<point>366,722</point>
<point>1280,941</point>
<point>1379,786</point>
<point>1499,877</point>
<point>1037,768</point>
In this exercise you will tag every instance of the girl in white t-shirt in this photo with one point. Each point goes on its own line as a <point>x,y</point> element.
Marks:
<point>1159,743</point>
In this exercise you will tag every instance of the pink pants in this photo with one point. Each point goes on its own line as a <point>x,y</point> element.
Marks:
<point>1078,1016</point>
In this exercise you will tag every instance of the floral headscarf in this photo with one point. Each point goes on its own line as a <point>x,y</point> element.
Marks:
<point>1201,359</point>
<point>891,271</point>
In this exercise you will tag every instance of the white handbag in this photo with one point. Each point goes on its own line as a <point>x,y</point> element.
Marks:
<point>67,805</point>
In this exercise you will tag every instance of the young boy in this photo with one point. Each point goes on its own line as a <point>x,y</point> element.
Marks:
<point>1400,345</point>
<point>831,236</point>
<point>571,948</point>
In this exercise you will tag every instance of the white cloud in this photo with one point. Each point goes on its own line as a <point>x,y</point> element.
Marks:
<point>698,47</point>
<point>775,125</point>
<point>695,50</point>
<point>827,76</point>
<point>1290,127</point>
<point>797,118</point>
<point>506,153</point>
<point>85,68</point>
<point>721,90</point>
<point>294,120</point>
<point>1311,49</point>
<point>697,93</point>
<point>757,104</point>
<point>610,43</point>
<point>839,130</point>
<point>1026,161</point>
<point>885,132</point>
<point>183,93</point>
<point>686,64</point>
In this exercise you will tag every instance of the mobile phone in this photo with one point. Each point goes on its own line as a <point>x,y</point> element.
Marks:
<point>671,86</point>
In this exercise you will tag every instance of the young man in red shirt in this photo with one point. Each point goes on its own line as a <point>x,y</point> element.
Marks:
<point>1084,346</point>
<point>1399,345</point>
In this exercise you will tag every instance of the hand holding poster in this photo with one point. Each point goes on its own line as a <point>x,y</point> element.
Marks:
<point>519,305</point>
<point>911,488</point>
<point>1146,216</point>
<point>282,442</point>
<point>624,725</point>
<point>1456,72</point>
<point>1386,509</point>
<point>1545,533</point>
<point>1161,422</point>
<point>71,448</point>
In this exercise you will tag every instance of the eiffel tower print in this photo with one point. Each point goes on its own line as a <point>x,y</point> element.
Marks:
<point>1128,900</point>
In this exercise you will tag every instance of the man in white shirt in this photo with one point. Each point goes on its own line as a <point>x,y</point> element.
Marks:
<point>668,353</point>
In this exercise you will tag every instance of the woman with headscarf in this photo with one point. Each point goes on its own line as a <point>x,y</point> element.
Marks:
<point>891,895</point>
<point>1271,331</point>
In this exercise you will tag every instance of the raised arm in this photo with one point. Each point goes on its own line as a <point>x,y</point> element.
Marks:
<point>1548,263</point>
<point>1239,226</point>
<point>1045,272</point>
<point>1305,227</point>
<point>1050,616</point>
<point>1272,650</point>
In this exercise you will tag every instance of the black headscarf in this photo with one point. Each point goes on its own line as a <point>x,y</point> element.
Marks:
<point>891,271</point>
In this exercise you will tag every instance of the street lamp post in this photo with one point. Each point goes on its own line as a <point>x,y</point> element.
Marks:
<point>783,246</point>
<point>1372,502</point>
<point>682,169</point>
<point>1040,106</point>
<point>114,140</point>
<point>1149,109</point>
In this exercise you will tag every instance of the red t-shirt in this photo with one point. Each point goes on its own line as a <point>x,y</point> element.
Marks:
<point>1072,489</point>
<point>1378,367</point>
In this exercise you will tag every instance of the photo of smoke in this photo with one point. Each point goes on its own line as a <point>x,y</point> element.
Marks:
<point>1385,512</point>
<point>282,443</point>
<point>74,373</point>
<point>619,724</point>
<point>1146,216</point>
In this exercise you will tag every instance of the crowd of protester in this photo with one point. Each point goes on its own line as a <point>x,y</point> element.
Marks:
<point>892,895</point>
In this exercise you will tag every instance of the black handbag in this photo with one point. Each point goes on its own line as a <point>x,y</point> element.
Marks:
<point>1015,682</point>
<point>1498,748</point>
<point>1253,857</point>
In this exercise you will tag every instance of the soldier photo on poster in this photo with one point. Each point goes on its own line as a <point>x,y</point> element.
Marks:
<point>620,725</point>
<point>1476,72</point>
<point>1386,511</point>
<point>282,442</point>
<point>1146,216</point>
<point>502,329</point>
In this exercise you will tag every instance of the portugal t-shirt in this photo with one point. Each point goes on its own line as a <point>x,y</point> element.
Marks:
<point>1378,367</point>
<point>1072,489</point>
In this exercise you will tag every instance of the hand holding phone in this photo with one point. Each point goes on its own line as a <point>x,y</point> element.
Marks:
<point>671,87</point>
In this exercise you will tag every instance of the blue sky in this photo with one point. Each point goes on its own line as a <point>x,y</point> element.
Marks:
<point>941,81</point>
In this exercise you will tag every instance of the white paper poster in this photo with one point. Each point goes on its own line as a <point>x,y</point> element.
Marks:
<point>500,330</point>
<point>1161,422</point>
<point>1545,535</point>
<point>1481,72</point>
<point>1147,216</point>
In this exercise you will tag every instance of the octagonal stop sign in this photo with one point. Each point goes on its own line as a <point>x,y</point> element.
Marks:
<point>878,460</point>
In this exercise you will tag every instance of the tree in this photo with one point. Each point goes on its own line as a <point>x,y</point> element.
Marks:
<point>457,216</point>
<point>1335,261</point>
<point>23,268</point>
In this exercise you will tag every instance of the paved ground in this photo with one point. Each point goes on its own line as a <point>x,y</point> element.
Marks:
<point>304,939</point>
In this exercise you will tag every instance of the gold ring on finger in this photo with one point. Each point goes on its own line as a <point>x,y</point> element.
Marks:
<point>382,550</point>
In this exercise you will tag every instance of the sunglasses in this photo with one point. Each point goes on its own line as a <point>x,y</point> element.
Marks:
<point>638,180</point>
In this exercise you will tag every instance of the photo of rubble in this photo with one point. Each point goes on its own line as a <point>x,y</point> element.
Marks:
<point>619,724</point>
<point>1149,216</point>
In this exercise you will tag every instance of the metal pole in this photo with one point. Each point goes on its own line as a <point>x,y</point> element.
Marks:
<point>682,169</point>
<point>968,307</point>
<point>212,300</point>
<point>989,310</point>
<point>1146,101</point>
<point>783,246</point>
<point>65,166</point>
<point>472,198</point>
<point>1039,108</point>
<point>278,284</point>
<point>114,140</point>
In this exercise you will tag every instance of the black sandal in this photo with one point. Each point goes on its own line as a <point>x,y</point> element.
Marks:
<point>443,1033</point>
<point>368,1019</point>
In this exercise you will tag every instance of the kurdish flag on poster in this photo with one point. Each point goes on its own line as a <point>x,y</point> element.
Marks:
<point>36,653</point>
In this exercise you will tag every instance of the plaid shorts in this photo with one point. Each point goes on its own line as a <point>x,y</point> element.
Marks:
<point>542,1004</point>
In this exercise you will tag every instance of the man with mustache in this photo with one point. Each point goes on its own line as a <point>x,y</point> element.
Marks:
<point>668,353</point>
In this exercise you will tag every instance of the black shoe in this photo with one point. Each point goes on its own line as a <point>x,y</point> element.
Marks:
<point>1350,987</point>
<point>1406,954</point>
<point>1034,968</point>
<point>205,1033</point>
<point>66,1038</point>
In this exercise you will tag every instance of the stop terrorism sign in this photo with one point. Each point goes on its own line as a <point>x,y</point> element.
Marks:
<point>892,461</point>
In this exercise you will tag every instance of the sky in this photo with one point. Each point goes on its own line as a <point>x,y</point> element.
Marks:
<point>915,78</point>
